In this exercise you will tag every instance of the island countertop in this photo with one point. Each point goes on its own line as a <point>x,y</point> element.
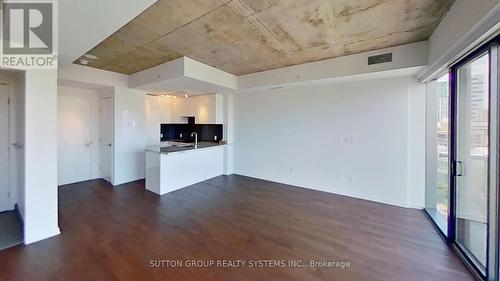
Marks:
<point>172,147</point>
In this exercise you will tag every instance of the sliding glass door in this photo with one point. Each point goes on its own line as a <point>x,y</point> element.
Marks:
<point>471,158</point>
<point>462,158</point>
<point>474,159</point>
<point>437,192</point>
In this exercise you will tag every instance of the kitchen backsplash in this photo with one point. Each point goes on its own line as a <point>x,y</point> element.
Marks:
<point>182,132</point>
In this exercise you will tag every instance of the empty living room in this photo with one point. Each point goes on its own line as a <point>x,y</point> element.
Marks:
<point>300,140</point>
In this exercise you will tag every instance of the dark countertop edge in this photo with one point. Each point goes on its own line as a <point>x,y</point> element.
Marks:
<point>184,149</point>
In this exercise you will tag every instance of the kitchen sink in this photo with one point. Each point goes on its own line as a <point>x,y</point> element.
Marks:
<point>182,144</point>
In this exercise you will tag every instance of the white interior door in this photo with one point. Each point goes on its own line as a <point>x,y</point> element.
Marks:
<point>5,203</point>
<point>74,139</point>
<point>106,139</point>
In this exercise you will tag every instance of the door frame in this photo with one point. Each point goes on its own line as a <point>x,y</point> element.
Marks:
<point>494,163</point>
<point>10,151</point>
<point>492,255</point>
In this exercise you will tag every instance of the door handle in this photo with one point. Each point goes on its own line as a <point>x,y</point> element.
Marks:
<point>18,145</point>
<point>460,172</point>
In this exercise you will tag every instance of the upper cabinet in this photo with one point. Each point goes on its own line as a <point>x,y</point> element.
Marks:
<point>207,109</point>
<point>201,107</point>
<point>204,108</point>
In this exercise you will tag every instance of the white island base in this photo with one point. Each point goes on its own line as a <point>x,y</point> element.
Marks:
<point>166,172</point>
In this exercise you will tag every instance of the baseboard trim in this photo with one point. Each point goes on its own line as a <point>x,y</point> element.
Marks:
<point>348,194</point>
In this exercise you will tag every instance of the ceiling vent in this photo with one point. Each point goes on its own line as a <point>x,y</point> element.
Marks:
<point>383,58</point>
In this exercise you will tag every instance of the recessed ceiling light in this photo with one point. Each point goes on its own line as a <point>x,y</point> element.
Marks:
<point>92,57</point>
<point>84,62</point>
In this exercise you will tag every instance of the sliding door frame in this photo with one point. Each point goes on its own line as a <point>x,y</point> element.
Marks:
<point>426,209</point>
<point>494,164</point>
<point>492,255</point>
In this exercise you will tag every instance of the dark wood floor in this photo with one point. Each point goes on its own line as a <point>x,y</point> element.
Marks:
<point>113,234</point>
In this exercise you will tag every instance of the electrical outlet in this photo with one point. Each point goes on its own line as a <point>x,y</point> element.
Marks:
<point>215,138</point>
<point>180,135</point>
<point>161,135</point>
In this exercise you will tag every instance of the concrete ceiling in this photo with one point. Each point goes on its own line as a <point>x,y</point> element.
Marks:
<point>247,36</point>
<point>83,24</point>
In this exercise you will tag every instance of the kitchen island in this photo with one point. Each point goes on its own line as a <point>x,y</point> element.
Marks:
<point>172,166</point>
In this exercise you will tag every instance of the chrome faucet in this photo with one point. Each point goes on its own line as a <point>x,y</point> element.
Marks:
<point>195,139</point>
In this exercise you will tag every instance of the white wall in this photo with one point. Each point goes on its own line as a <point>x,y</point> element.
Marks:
<point>228,121</point>
<point>416,144</point>
<point>130,135</point>
<point>40,217</point>
<point>348,138</point>
<point>92,96</point>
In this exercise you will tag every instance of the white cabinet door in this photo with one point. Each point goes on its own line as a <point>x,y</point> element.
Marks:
<point>202,107</point>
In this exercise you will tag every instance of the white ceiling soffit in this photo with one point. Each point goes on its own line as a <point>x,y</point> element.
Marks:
<point>93,78</point>
<point>81,85</point>
<point>402,72</point>
<point>409,56</point>
<point>184,74</point>
<point>85,23</point>
<point>188,75</point>
<point>184,84</point>
<point>485,29</point>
